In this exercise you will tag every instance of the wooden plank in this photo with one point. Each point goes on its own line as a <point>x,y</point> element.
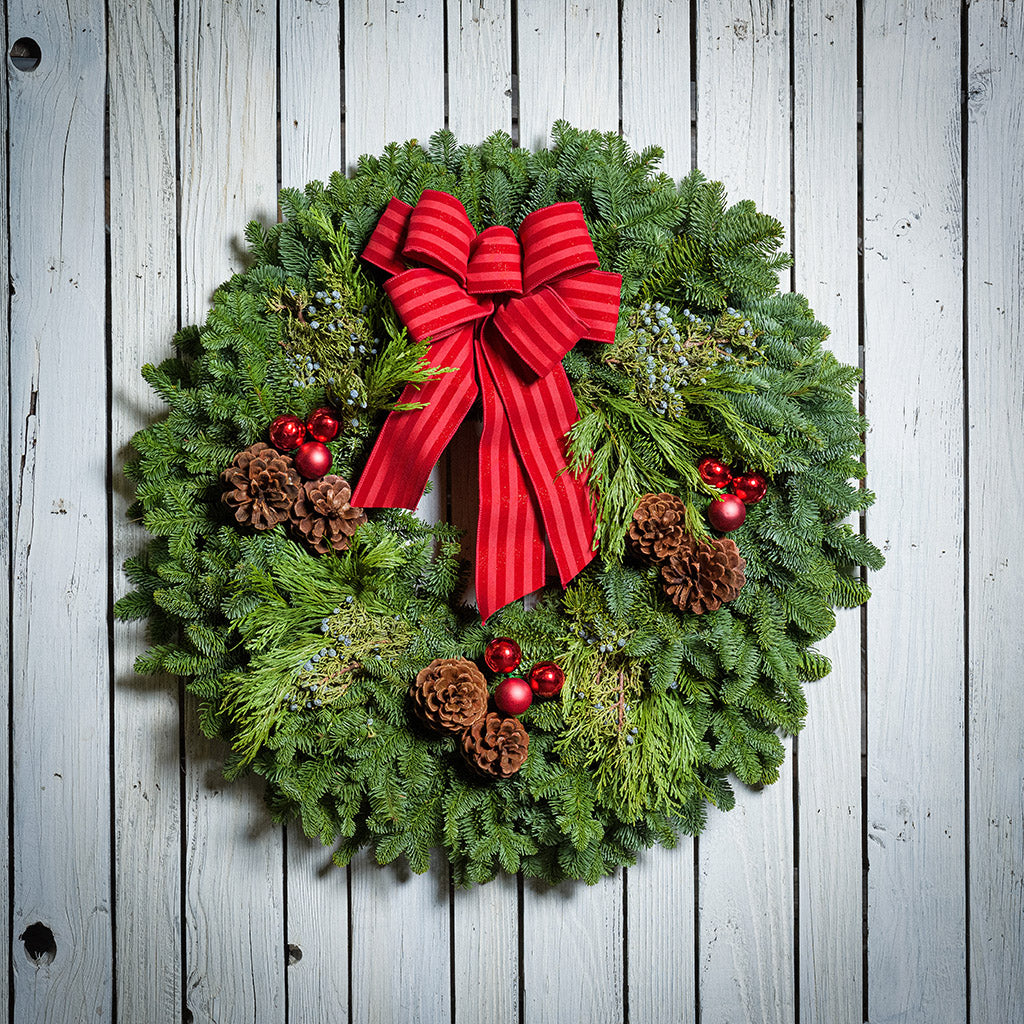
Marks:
<point>572,958</point>
<point>568,67</point>
<point>400,950</point>
<point>995,253</point>
<point>745,858</point>
<point>311,112</point>
<point>479,68</point>
<point>234,907</point>
<point>60,712</point>
<point>913,306</point>
<point>143,308</point>
<point>485,921</point>
<point>6,892</point>
<point>394,73</point>
<point>660,889</point>
<point>829,749</point>
<point>311,148</point>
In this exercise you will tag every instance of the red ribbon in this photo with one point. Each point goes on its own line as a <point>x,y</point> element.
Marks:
<point>503,311</point>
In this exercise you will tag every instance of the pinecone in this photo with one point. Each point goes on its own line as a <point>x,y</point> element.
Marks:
<point>449,694</point>
<point>262,486</point>
<point>495,745</point>
<point>323,516</point>
<point>657,529</point>
<point>702,576</point>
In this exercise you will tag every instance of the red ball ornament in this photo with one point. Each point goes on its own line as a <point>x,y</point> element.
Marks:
<point>287,433</point>
<point>749,488</point>
<point>323,425</point>
<point>727,513</point>
<point>546,679</point>
<point>502,655</point>
<point>313,460</point>
<point>513,695</point>
<point>714,473</point>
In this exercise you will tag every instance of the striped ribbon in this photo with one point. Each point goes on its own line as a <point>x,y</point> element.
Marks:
<point>503,311</point>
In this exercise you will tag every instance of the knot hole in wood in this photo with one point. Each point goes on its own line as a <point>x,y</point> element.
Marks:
<point>25,54</point>
<point>40,946</point>
<point>292,954</point>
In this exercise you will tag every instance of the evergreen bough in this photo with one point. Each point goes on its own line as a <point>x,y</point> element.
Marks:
<point>302,663</point>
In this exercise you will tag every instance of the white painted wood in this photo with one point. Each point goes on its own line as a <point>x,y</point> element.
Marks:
<point>394,90</point>
<point>572,955</point>
<point>394,73</point>
<point>745,858</point>
<point>485,921</point>
<point>656,79</point>
<point>143,307</point>
<point>660,889</point>
<point>60,713</point>
<point>828,750</point>
<point>572,962</point>
<point>311,112</point>
<point>311,149</point>
<point>479,68</point>
<point>913,356</point>
<point>234,907</point>
<point>568,67</point>
<point>995,254</point>
<point>5,556</point>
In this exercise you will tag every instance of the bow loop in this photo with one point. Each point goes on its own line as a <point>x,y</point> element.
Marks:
<point>555,243</point>
<point>495,263</point>
<point>431,304</point>
<point>439,234</point>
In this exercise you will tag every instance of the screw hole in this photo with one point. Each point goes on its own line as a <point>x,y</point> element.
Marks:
<point>25,54</point>
<point>40,947</point>
<point>293,954</point>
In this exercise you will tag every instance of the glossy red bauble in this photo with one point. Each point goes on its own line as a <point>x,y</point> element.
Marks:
<point>749,488</point>
<point>502,655</point>
<point>546,679</point>
<point>313,460</point>
<point>513,695</point>
<point>323,425</point>
<point>287,433</point>
<point>714,473</point>
<point>727,513</point>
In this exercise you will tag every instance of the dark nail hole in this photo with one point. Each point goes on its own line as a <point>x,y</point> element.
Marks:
<point>294,954</point>
<point>25,54</point>
<point>39,945</point>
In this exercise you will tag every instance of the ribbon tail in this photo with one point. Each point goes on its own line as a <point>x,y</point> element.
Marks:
<point>411,441</point>
<point>509,547</point>
<point>539,415</point>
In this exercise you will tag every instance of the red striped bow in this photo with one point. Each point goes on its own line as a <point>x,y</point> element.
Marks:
<point>503,311</point>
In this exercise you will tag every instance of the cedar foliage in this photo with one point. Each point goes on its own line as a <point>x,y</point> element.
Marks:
<point>302,663</point>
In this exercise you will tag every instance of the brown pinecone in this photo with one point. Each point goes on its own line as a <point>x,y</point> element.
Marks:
<point>657,528</point>
<point>449,694</point>
<point>703,575</point>
<point>262,486</point>
<point>495,745</point>
<point>323,516</point>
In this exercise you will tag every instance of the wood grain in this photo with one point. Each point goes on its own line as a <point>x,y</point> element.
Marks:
<point>829,749</point>
<point>143,308</point>
<point>995,368</point>
<point>234,906</point>
<point>394,73</point>
<point>568,67</point>
<point>60,709</point>
<point>913,351</point>
<point>400,955</point>
<point>660,889</point>
<point>311,149</point>
<point>745,858</point>
<point>310,82</point>
<point>479,68</point>
<point>6,889</point>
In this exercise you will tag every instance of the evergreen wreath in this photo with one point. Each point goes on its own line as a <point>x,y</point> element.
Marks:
<point>329,647</point>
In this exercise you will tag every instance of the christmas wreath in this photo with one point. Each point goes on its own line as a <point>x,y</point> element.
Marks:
<point>655,414</point>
